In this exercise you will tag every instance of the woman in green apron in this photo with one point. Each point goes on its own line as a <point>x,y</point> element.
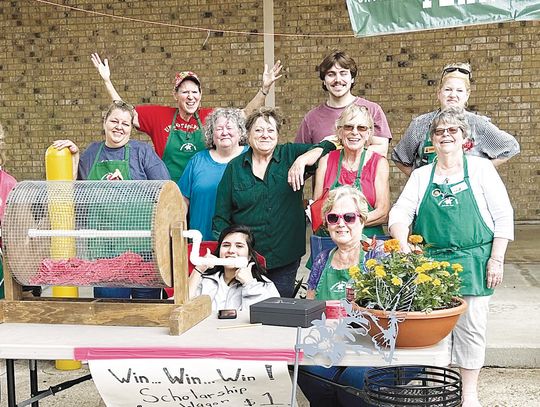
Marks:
<point>177,141</point>
<point>118,158</point>
<point>345,212</point>
<point>460,206</point>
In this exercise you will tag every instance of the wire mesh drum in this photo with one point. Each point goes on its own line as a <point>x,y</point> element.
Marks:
<point>91,233</point>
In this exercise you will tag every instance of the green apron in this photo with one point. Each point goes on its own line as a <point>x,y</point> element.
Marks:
<point>368,231</point>
<point>181,146</point>
<point>332,283</point>
<point>106,215</point>
<point>454,230</point>
<point>427,152</point>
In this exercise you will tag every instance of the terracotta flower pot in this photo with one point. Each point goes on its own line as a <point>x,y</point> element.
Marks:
<point>418,329</point>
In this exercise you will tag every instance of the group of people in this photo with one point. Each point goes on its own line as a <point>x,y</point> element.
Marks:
<point>245,189</point>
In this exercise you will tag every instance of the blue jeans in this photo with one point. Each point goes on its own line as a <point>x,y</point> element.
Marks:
<point>126,292</point>
<point>284,278</point>
<point>322,394</point>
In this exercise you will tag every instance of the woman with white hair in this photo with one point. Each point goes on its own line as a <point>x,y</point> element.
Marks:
<point>225,138</point>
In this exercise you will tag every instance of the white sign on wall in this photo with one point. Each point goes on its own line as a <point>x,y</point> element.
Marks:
<point>191,382</point>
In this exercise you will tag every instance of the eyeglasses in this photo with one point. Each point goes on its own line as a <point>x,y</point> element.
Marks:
<point>464,71</point>
<point>349,217</point>
<point>122,104</point>
<point>450,130</point>
<point>359,128</point>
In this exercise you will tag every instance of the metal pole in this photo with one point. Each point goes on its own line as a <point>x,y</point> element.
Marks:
<point>33,380</point>
<point>10,373</point>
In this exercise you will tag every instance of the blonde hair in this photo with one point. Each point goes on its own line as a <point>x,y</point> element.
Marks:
<point>352,111</point>
<point>466,78</point>
<point>346,192</point>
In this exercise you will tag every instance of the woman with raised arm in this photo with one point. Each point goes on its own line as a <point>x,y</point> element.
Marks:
<point>177,132</point>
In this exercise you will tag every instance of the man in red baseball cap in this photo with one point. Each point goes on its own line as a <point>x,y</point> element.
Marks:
<point>177,132</point>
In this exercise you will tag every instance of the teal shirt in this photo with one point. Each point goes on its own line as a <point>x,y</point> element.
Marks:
<point>271,209</point>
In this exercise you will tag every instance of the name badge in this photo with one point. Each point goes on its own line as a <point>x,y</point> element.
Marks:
<point>429,150</point>
<point>462,186</point>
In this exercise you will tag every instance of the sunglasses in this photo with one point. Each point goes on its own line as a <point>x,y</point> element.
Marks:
<point>464,71</point>
<point>349,217</point>
<point>359,128</point>
<point>451,130</point>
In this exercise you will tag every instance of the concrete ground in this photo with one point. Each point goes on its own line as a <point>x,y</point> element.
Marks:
<point>513,345</point>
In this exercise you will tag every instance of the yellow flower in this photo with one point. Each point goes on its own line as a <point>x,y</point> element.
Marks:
<point>436,282</point>
<point>422,278</point>
<point>457,267</point>
<point>419,269</point>
<point>354,272</point>
<point>397,281</point>
<point>436,264</point>
<point>427,266</point>
<point>416,239</point>
<point>445,273</point>
<point>445,264</point>
<point>370,263</point>
<point>391,245</point>
<point>379,272</point>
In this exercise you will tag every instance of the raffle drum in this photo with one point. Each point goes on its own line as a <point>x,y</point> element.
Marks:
<point>91,233</point>
<point>97,233</point>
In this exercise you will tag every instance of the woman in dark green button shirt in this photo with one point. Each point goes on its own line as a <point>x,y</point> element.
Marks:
<point>255,191</point>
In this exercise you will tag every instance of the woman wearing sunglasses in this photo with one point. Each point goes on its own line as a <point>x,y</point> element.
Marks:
<point>116,158</point>
<point>460,206</point>
<point>484,140</point>
<point>357,166</point>
<point>345,213</point>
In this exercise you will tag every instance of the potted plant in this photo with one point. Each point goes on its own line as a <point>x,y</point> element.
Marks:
<point>411,288</point>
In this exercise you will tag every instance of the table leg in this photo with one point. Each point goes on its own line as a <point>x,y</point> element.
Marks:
<point>33,380</point>
<point>10,373</point>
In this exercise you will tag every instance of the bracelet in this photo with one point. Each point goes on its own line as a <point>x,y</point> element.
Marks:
<point>497,260</point>
<point>263,92</point>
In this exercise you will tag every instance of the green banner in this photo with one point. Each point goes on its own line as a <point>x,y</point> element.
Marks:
<point>377,17</point>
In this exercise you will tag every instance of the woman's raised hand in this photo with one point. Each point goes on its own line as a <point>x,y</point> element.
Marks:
<point>244,274</point>
<point>101,66</point>
<point>270,76</point>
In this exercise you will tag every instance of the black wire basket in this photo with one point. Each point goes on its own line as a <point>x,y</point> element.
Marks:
<point>413,385</point>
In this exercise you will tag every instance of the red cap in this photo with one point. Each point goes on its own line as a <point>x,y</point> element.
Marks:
<point>182,76</point>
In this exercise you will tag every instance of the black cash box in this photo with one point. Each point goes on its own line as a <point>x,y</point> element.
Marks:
<point>286,311</point>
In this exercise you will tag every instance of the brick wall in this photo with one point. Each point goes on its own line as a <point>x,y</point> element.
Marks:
<point>49,88</point>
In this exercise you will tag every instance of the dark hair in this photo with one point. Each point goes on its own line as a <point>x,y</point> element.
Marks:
<point>258,269</point>
<point>343,60</point>
<point>266,113</point>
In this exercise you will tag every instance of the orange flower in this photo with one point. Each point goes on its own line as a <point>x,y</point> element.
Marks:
<point>391,245</point>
